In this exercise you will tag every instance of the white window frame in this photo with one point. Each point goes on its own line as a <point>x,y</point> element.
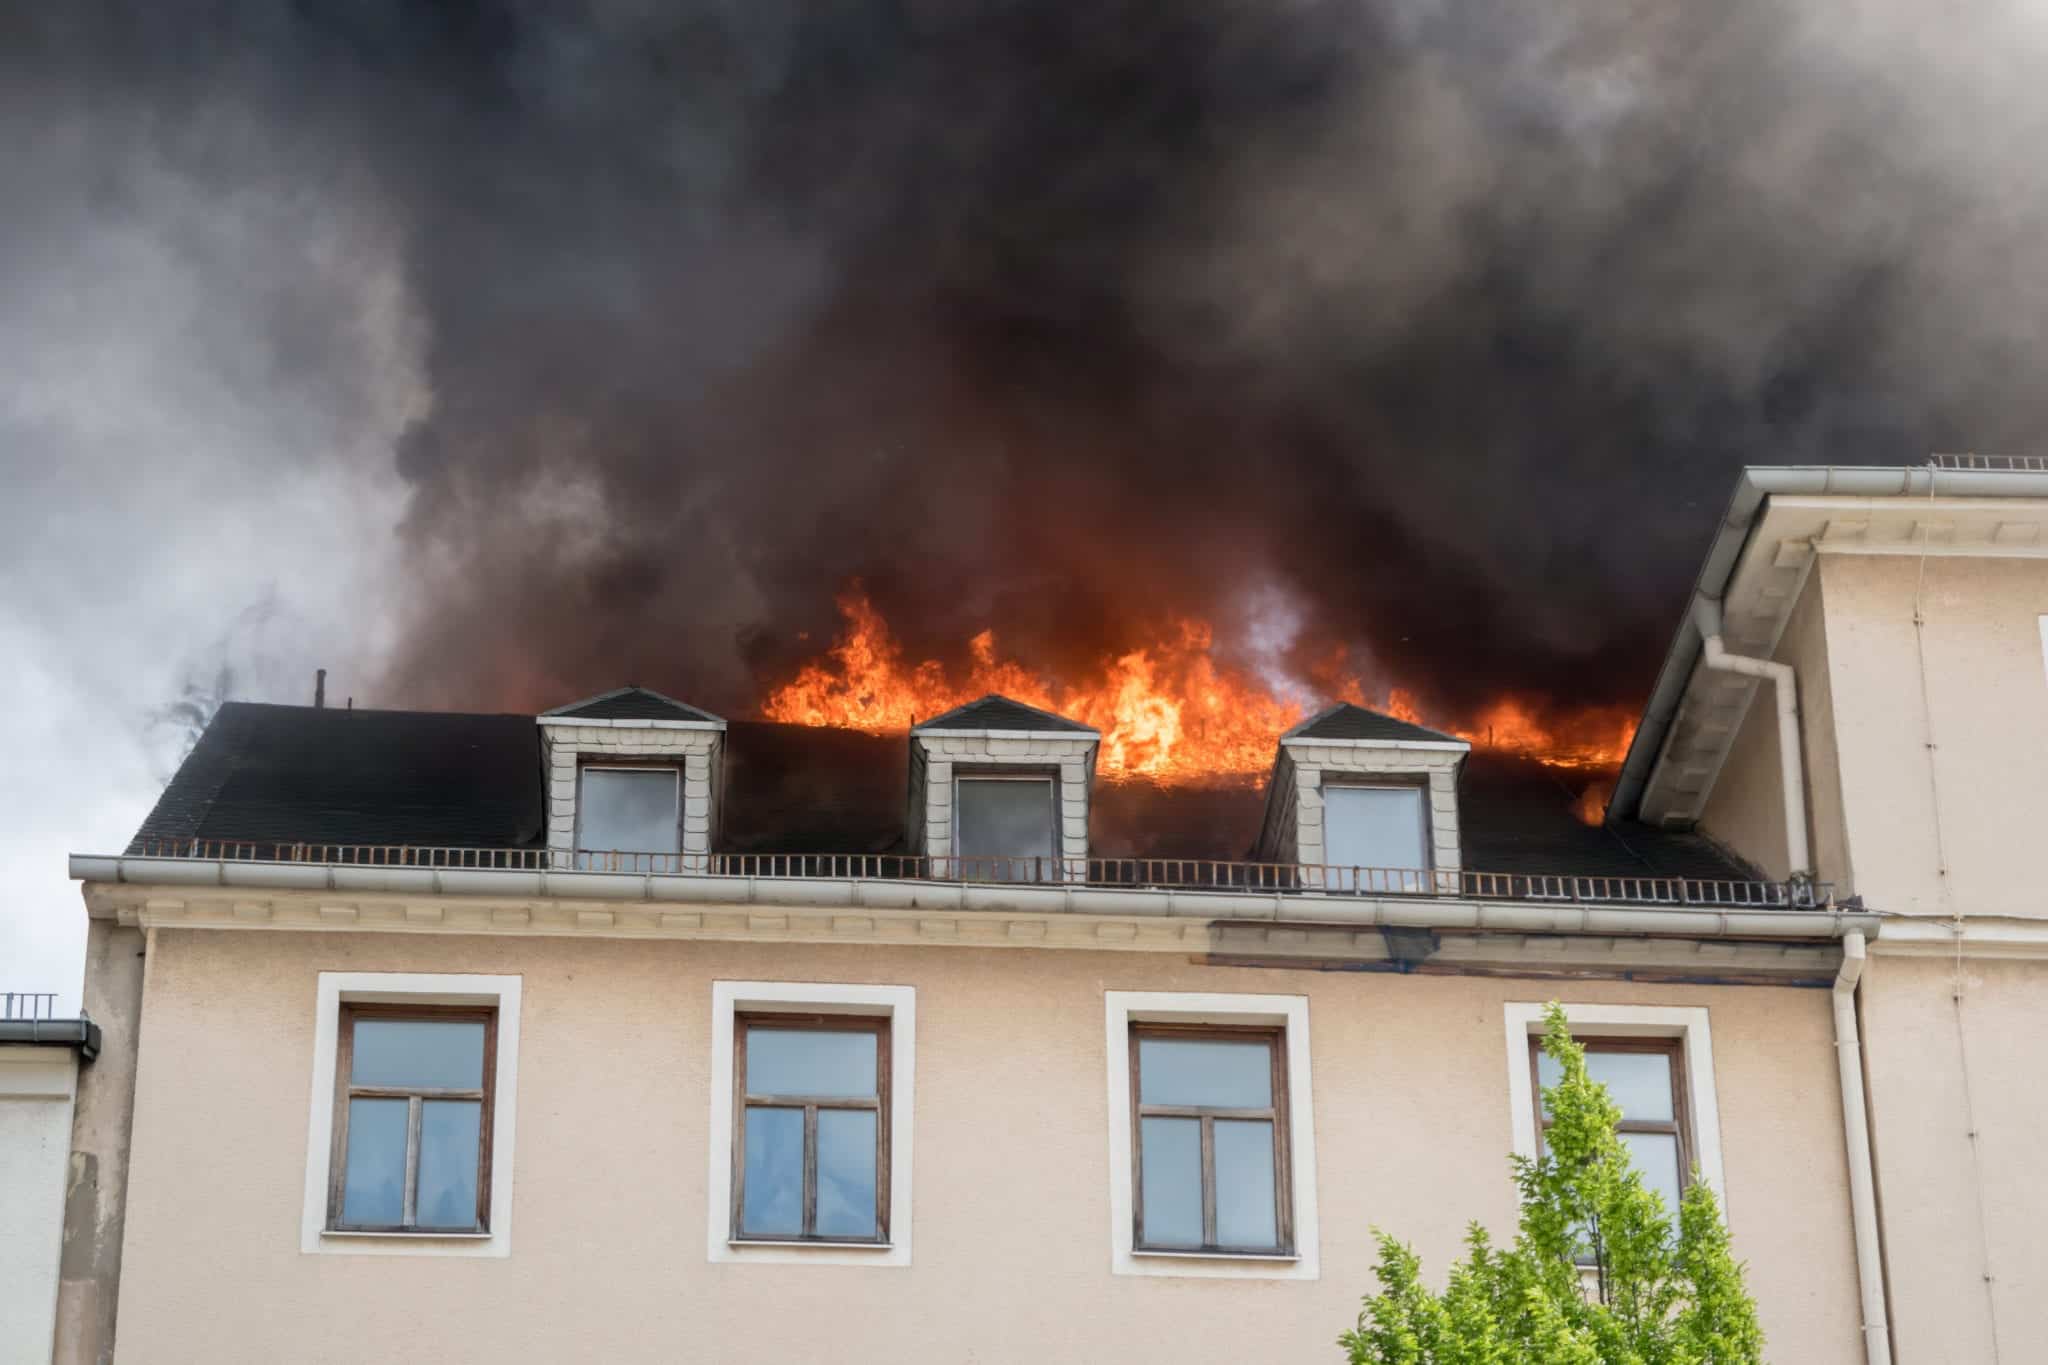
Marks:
<point>896,1003</point>
<point>673,770</point>
<point>1289,1012</point>
<point>1052,809</point>
<point>410,988</point>
<point>1686,1023</point>
<point>1424,816</point>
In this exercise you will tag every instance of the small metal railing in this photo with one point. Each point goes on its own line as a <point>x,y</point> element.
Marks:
<point>28,1005</point>
<point>2001,464</point>
<point>1189,874</point>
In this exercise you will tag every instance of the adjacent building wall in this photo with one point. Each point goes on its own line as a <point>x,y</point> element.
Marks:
<point>1012,1249</point>
<point>1987,700</point>
<point>37,1085</point>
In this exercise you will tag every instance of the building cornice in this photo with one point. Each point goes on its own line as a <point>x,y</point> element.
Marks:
<point>1339,932</point>
<point>2006,936</point>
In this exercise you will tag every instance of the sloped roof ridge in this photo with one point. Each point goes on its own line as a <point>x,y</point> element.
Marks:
<point>996,701</point>
<point>1333,721</point>
<point>576,710</point>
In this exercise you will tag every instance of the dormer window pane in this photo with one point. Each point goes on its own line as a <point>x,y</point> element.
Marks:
<point>1375,827</point>
<point>1005,822</point>
<point>633,810</point>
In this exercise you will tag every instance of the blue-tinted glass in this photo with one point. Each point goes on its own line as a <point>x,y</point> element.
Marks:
<point>772,1199</point>
<point>1373,827</point>
<point>373,1185</point>
<point>846,1173</point>
<point>831,1063</point>
<point>446,1195</point>
<point>1245,1215</point>
<point>1170,1151</point>
<point>1227,1075</point>
<point>439,1054</point>
<point>633,811</point>
<point>1656,1156</point>
<point>1640,1082</point>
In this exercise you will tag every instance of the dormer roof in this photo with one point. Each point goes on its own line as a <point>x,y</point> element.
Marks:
<point>1345,721</point>
<point>633,703</point>
<point>996,713</point>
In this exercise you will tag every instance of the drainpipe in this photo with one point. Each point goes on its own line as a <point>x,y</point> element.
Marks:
<point>1715,655</point>
<point>1877,1341</point>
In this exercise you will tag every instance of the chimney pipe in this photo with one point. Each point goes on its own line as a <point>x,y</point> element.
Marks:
<point>319,688</point>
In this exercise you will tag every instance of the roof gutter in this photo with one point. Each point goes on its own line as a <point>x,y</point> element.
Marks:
<point>82,1034</point>
<point>1756,486</point>
<point>1418,912</point>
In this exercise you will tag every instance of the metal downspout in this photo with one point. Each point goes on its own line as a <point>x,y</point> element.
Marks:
<point>1877,1340</point>
<point>1791,761</point>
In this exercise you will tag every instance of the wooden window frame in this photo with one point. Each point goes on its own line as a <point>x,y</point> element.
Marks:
<point>485,1096</point>
<point>1679,1125</point>
<point>1275,1037</point>
<point>743,1024</point>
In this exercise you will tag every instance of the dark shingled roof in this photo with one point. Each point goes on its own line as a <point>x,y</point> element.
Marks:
<point>629,703</point>
<point>1345,721</point>
<point>304,774</point>
<point>1000,713</point>
<point>296,774</point>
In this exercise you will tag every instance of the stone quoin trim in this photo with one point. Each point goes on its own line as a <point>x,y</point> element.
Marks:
<point>410,988</point>
<point>1290,1012</point>
<point>899,1005</point>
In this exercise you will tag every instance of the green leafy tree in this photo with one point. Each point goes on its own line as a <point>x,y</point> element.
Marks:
<point>1597,1274</point>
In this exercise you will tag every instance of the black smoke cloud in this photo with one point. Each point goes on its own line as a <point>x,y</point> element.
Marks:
<point>1445,326</point>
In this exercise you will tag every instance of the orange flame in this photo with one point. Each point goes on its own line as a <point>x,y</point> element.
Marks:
<point>1168,711</point>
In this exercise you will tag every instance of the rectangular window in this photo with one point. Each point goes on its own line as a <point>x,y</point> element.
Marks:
<point>1004,828</point>
<point>811,1132</point>
<point>628,819</point>
<point>1646,1078</point>
<point>1209,1139</point>
<point>1376,838</point>
<point>412,1119</point>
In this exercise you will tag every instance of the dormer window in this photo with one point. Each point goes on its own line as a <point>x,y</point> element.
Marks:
<point>634,813</point>
<point>1006,827</point>
<point>633,783</point>
<point>999,792</point>
<point>1378,835</point>
<point>1364,802</point>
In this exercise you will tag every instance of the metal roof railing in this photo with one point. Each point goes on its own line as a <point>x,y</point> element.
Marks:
<point>28,1005</point>
<point>1172,874</point>
<point>2001,464</point>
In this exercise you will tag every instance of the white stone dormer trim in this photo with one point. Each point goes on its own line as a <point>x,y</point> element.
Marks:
<point>695,748</point>
<point>1307,766</point>
<point>940,756</point>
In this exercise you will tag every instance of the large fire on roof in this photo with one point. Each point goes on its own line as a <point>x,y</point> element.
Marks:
<point>1170,710</point>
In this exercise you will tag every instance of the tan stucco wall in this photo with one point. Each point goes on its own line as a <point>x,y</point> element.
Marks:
<point>1953,1216</point>
<point>1012,1239</point>
<point>1988,695</point>
<point>1746,809</point>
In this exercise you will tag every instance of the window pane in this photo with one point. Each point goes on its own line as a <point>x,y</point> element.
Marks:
<point>772,1197</point>
<point>632,811</point>
<point>1656,1156</point>
<point>1224,1075</point>
<point>1245,1215</point>
<point>446,1197</point>
<point>1640,1082</point>
<point>1373,827</point>
<point>1171,1194</point>
<point>443,1054</point>
<point>1003,819</point>
<point>846,1173</point>
<point>373,1185</point>
<point>833,1063</point>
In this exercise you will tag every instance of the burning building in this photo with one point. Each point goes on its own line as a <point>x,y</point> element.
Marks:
<point>934,979</point>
